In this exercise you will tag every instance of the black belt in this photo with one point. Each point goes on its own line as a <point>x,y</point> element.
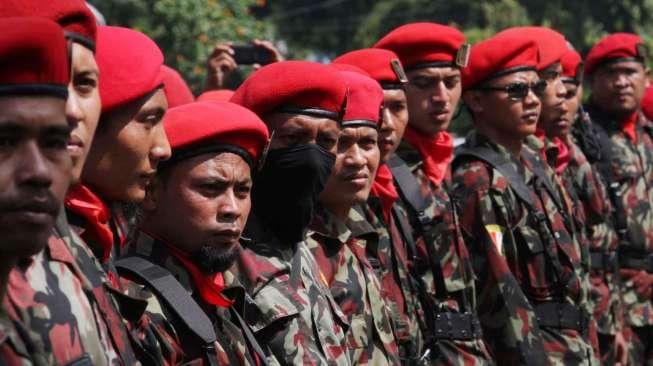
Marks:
<point>462,326</point>
<point>605,261</point>
<point>561,316</point>
<point>636,260</point>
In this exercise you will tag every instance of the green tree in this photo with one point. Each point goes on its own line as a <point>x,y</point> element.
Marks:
<point>186,30</point>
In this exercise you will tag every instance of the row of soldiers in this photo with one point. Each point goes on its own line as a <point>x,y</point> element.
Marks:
<point>320,215</point>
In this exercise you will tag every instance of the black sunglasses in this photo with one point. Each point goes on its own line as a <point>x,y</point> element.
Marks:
<point>520,90</point>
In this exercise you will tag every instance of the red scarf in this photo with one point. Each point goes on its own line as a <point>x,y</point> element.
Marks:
<point>384,188</point>
<point>436,153</point>
<point>564,155</point>
<point>209,286</point>
<point>629,126</point>
<point>83,202</point>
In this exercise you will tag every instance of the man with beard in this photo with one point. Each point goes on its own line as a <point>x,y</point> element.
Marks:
<point>52,281</point>
<point>34,164</point>
<point>302,104</point>
<point>527,263</point>
<point>434,56</point>
<point>618,77</point>
<point>605,294</point>
<point>193,217</point>
<point>339,236</point>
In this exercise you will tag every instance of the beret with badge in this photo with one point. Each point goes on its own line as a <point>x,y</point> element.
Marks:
<point>382,65</point>
<point>615,47</point>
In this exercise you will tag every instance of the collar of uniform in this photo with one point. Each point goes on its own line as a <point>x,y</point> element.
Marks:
<point>8,333</point>
<point>409,154</point>
<point>359,226</point>
<point>477,139</point>
<point>326,224</point>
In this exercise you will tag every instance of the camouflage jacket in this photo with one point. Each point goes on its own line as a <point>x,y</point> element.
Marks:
<point>389,259</point>
<point>632,169</point>
<point>523,257</point>
<point>13,350</point>
<point>440,260</point>
<point>59,307</point>
<point>179,345</point>
<point>339,250</point>
<point>299,321</point>
<point>604,293</point>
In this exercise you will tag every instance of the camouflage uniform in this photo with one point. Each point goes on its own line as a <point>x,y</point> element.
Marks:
<point>339,249</point>
<point>632,169</point>
<point>299,321</point>
<point>604,296</point>
<point>526,259</point>
<point>61,309</point>
<point>179,345</point>
<point>13,350</point>
<point>439,262</point>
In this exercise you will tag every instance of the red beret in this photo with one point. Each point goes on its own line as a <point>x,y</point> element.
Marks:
<point>572,66</point>
<point>624,46</point>
<point>222,95</point>
<point>73,16</point>
<point>647,103</point>
<point>351,68</point>
<point>176,89</point>
<point>201,127</point>
<point>130,66</point>
<point>499,55</point>
<point>382,65</point>
<point>33,57</point>
<point>425,44</point>
<point>299,87</point>
<point>551,44</point>
<point>364,100</point>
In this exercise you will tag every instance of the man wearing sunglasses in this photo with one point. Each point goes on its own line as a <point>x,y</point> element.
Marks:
<point>433,56</point>
<point>618,76</point>
<point>526,259</point>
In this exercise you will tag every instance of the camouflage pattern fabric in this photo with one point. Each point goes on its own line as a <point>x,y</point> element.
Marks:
<point>179,345</point>
<point>13,350</point>
<point>440,263</point>
<point>54,301</point>
<point>340,255</point>
<point>514,256</point>
<point>299,320</point>
<point>632,169</point>
<point>592,193</point>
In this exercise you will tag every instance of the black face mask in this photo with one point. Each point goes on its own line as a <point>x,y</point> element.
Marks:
<point>287,187</point>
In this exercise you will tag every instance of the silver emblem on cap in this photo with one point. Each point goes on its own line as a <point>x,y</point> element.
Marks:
<point>462,56</point>
<point>399,71</point>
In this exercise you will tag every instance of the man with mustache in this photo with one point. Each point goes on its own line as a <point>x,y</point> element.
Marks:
<point>64,283</point>
<point>34,163</point>
<point>302,104</point>
<point>193,218</point>
<point>339,235</point>
<point>434,56</point>
<point>527,263</point>
<point>581,171</point>
<point>618,76</point>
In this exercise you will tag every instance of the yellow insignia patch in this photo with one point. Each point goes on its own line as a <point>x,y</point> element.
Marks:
<point>496,234</point>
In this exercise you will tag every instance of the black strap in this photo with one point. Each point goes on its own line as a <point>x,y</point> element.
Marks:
<point>605,261</point>
<point>636,260</point>
<point>462,326</point>
<point>503,166</point>
<point>407,184</point>
<point>176,297</point>
<point>249,336</point>
<point>561,316</point>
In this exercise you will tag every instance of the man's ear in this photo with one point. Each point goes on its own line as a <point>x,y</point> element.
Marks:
<point>152,194</point>
<point>472,99</point>
<point>647,75</point>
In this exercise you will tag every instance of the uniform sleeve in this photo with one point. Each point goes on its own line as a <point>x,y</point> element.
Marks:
<point>508,320</point>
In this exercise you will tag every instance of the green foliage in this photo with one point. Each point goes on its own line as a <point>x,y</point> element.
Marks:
<point>186,30</point>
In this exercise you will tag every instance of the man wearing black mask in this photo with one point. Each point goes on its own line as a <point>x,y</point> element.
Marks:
<point>302,104</point>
